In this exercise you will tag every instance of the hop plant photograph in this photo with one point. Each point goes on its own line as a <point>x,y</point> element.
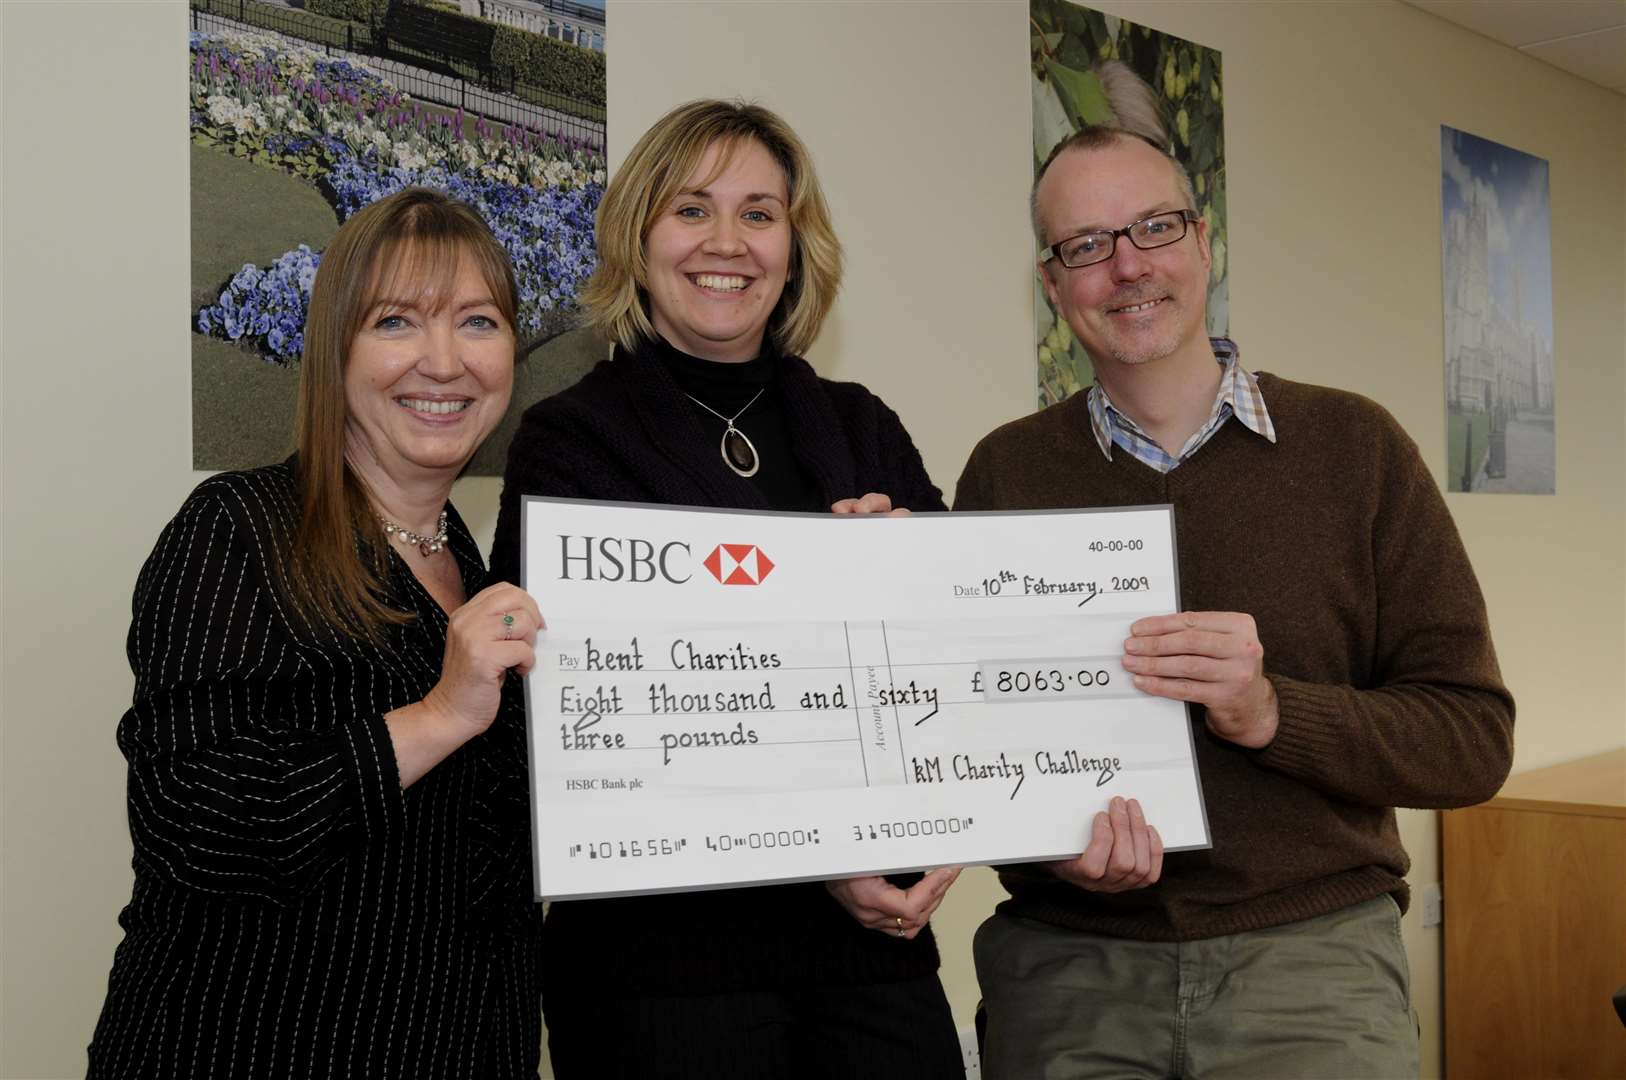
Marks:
<point>1091,68</point>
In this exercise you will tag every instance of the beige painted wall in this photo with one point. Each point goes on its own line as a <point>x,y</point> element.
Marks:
<point>918,115</point>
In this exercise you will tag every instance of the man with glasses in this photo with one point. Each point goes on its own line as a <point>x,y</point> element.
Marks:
<point>1333,648</point>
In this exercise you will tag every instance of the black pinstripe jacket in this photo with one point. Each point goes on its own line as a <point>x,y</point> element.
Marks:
<point>295,913</point>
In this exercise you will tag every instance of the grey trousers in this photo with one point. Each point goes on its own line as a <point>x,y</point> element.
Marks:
<point>1327,997</point>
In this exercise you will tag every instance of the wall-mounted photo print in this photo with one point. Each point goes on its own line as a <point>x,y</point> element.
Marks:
<point>300,116</point>
<point>1498,263</point>
<point>1088,67</point>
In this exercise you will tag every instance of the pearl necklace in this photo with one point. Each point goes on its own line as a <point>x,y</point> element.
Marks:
<point>427,545</point>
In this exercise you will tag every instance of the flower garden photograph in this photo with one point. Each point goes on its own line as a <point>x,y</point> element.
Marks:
<point>302,115</point>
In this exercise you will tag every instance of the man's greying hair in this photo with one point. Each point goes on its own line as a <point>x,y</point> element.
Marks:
<point>1100,137</point>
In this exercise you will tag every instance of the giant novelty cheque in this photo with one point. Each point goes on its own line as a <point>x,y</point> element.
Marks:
<point>726,697</point>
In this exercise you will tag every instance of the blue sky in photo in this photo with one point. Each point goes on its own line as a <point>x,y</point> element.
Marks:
<point>1515,187</point>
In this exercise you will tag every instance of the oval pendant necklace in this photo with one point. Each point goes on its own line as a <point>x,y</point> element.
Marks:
<point>738,451</point>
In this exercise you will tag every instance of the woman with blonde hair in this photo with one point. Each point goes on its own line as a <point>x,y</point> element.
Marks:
<point>327,782</point>
<point>717,267</point>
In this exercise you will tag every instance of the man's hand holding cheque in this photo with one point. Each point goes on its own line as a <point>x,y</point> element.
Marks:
<point>1124,852</point>
<point>1210,658</point>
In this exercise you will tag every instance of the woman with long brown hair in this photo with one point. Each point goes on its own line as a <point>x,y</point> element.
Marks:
<point>327,770</point>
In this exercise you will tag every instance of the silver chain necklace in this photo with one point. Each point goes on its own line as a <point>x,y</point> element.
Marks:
<point>738,452</point>
<point>427,545</point>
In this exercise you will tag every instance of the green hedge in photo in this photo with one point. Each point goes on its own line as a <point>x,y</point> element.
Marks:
<point>540,70</point>
<point>307,25</point>
<point>362,11</point>
<point>553,66</point>
<point>528,59</point>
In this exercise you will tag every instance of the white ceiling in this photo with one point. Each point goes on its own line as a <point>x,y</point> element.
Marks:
<point>1583,37</point>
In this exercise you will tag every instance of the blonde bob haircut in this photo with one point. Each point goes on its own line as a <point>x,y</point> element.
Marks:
<point>404,248</point>
<point>659,167</point>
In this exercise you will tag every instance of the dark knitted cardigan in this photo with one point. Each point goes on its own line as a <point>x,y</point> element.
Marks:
<point>627,433</point>
<point>1337,541</point>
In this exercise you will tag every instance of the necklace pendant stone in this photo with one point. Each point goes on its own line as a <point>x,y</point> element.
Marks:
<point>738,452</point>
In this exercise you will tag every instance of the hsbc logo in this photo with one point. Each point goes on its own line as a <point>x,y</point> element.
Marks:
<point>637,561</point>
<point>738,564</point>
<point>618,558</point>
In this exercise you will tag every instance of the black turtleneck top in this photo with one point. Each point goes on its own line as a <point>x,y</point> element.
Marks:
<point>627,432</point>
<point>728,388</point>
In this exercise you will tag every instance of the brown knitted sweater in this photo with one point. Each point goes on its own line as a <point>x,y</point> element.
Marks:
<point>1337,541</point>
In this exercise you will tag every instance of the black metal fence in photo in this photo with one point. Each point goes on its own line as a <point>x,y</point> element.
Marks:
<point>424,61</point>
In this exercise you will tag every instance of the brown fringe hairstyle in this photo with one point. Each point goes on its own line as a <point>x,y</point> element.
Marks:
<point>659,166</point>
<point>407,245</point>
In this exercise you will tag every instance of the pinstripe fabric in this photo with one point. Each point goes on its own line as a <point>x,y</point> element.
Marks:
<point>1238,396</point>
<point>295,914</point>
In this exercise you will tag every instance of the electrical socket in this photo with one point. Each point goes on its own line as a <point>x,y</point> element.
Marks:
<point>1432,900</point>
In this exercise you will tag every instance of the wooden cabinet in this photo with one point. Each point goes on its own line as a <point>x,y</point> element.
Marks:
<point>1535,926</point>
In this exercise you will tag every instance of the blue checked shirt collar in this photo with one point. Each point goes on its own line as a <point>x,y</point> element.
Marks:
<point>1238,396</point>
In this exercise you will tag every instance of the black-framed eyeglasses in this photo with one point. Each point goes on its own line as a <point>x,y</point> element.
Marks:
<point>1089,248</point>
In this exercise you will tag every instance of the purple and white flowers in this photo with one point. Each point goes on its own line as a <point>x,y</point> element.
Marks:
<point>267,305</point>
<point>359,138</point>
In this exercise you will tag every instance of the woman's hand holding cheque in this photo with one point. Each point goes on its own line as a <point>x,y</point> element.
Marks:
<point>485,638</point>
<point>878,904</point>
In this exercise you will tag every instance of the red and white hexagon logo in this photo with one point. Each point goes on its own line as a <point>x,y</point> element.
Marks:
<point>738,564</point>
